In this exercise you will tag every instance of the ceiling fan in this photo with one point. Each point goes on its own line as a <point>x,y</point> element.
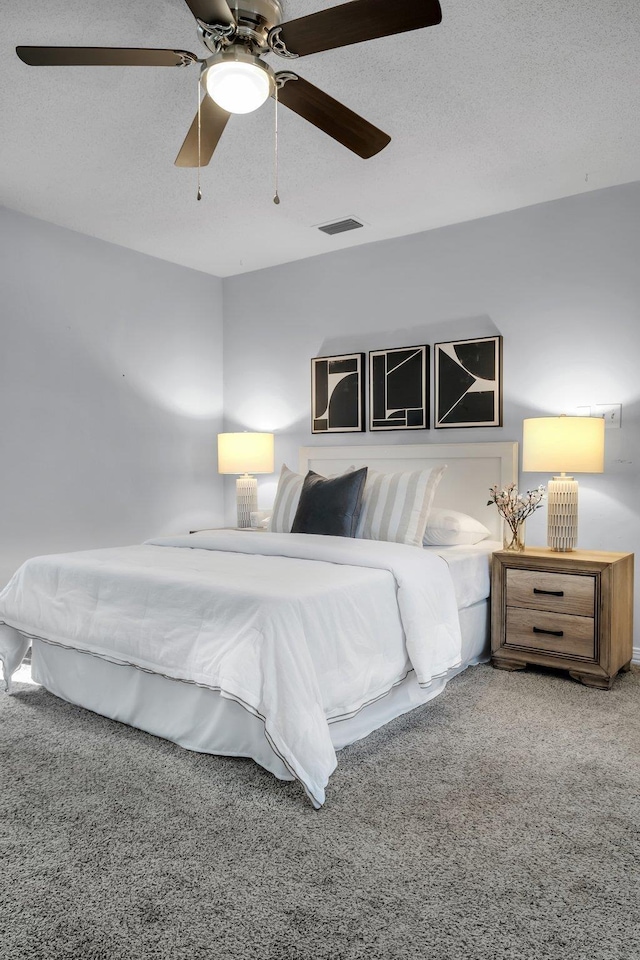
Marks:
<point>236,79</point>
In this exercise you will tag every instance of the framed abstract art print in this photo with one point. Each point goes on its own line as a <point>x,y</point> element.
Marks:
<point>337,394</point>
<point>399,389</point>
<point>468,383</point>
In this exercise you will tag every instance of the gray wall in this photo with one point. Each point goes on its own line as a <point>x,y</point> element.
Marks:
<point>110,393</point>
<point>560,282</point>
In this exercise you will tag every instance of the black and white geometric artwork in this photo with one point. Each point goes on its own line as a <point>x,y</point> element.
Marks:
<point>399,389</point>
<point>337,394</point>
<point>468,383</point>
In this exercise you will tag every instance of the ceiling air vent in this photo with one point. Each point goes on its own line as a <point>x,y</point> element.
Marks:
<point>341,226</point>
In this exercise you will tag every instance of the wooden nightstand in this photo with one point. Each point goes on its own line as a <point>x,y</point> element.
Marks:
<point>571,610</point>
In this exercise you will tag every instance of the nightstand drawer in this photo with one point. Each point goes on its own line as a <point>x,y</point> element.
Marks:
<point>559,592</point>
<point>558,633</point>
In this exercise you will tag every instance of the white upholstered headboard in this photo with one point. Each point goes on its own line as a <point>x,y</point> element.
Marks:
<point>471,469</point>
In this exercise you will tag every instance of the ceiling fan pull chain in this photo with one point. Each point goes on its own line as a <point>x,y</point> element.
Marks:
<point>199,194</point>
<point>276,198</point>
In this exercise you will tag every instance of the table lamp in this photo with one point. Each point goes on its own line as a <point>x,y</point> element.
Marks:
<point>563,445</point>
<point>245,454</point>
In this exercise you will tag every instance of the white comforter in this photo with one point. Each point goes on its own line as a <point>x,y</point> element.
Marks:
<point>295,642</point>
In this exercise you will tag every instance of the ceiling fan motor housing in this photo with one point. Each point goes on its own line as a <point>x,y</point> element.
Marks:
<point>255,19</point>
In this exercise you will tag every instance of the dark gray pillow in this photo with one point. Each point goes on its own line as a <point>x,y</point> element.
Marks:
<point>330,507</point>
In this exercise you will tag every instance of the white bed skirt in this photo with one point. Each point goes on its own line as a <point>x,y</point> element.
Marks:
<point>203,720</point>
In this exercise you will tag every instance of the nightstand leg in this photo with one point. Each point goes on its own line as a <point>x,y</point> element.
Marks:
<point>626,668</point>
<point>601,683</point>
<point>501,664</point>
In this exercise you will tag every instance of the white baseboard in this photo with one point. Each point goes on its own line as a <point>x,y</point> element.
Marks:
<point>636,655</point>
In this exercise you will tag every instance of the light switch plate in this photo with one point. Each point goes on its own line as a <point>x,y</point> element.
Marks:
<point>611,413</point>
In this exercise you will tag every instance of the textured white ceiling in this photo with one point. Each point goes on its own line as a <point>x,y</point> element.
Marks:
<point>505,104</point>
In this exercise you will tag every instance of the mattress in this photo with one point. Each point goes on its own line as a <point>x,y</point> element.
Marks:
<point>144,699</point>
<point>202,719</point>
<point>470,569</point>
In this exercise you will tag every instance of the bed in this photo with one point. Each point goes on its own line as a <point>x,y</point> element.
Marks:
<point>325,639</point>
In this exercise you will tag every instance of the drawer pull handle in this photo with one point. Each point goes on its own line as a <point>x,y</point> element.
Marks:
<point>552,633</point>
<point>550,593</point>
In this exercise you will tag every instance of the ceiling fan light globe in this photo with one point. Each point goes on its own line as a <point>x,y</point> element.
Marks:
<point>238,87</point>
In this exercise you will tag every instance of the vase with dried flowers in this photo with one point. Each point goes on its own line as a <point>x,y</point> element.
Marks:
<point>514,508</point>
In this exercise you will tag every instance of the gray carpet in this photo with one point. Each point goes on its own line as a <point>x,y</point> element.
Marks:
<point>500,821</point>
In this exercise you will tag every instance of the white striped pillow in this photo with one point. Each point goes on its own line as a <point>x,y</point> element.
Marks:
<point>395,506</point>
<point>286,501</point>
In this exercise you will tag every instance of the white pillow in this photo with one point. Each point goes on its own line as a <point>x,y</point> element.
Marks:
<point>450,527</point>
<point>286,501</point>
<point>395,506</point>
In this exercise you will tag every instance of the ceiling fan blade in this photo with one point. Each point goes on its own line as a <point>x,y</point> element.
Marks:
<point>345,126</point>
<point>103,57</point>
<point>355,22</point>
<point>211,11</point>
<point>213,120</point>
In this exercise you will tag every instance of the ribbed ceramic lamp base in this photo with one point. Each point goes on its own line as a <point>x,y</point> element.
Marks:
<point>247,499</point>
<point>562,513</point>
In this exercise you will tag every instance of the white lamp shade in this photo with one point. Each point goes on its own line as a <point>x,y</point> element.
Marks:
<point>245,453</point>
<point>563,445</point>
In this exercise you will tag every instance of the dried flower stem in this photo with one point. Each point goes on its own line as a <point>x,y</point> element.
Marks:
<point>515,507</point>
